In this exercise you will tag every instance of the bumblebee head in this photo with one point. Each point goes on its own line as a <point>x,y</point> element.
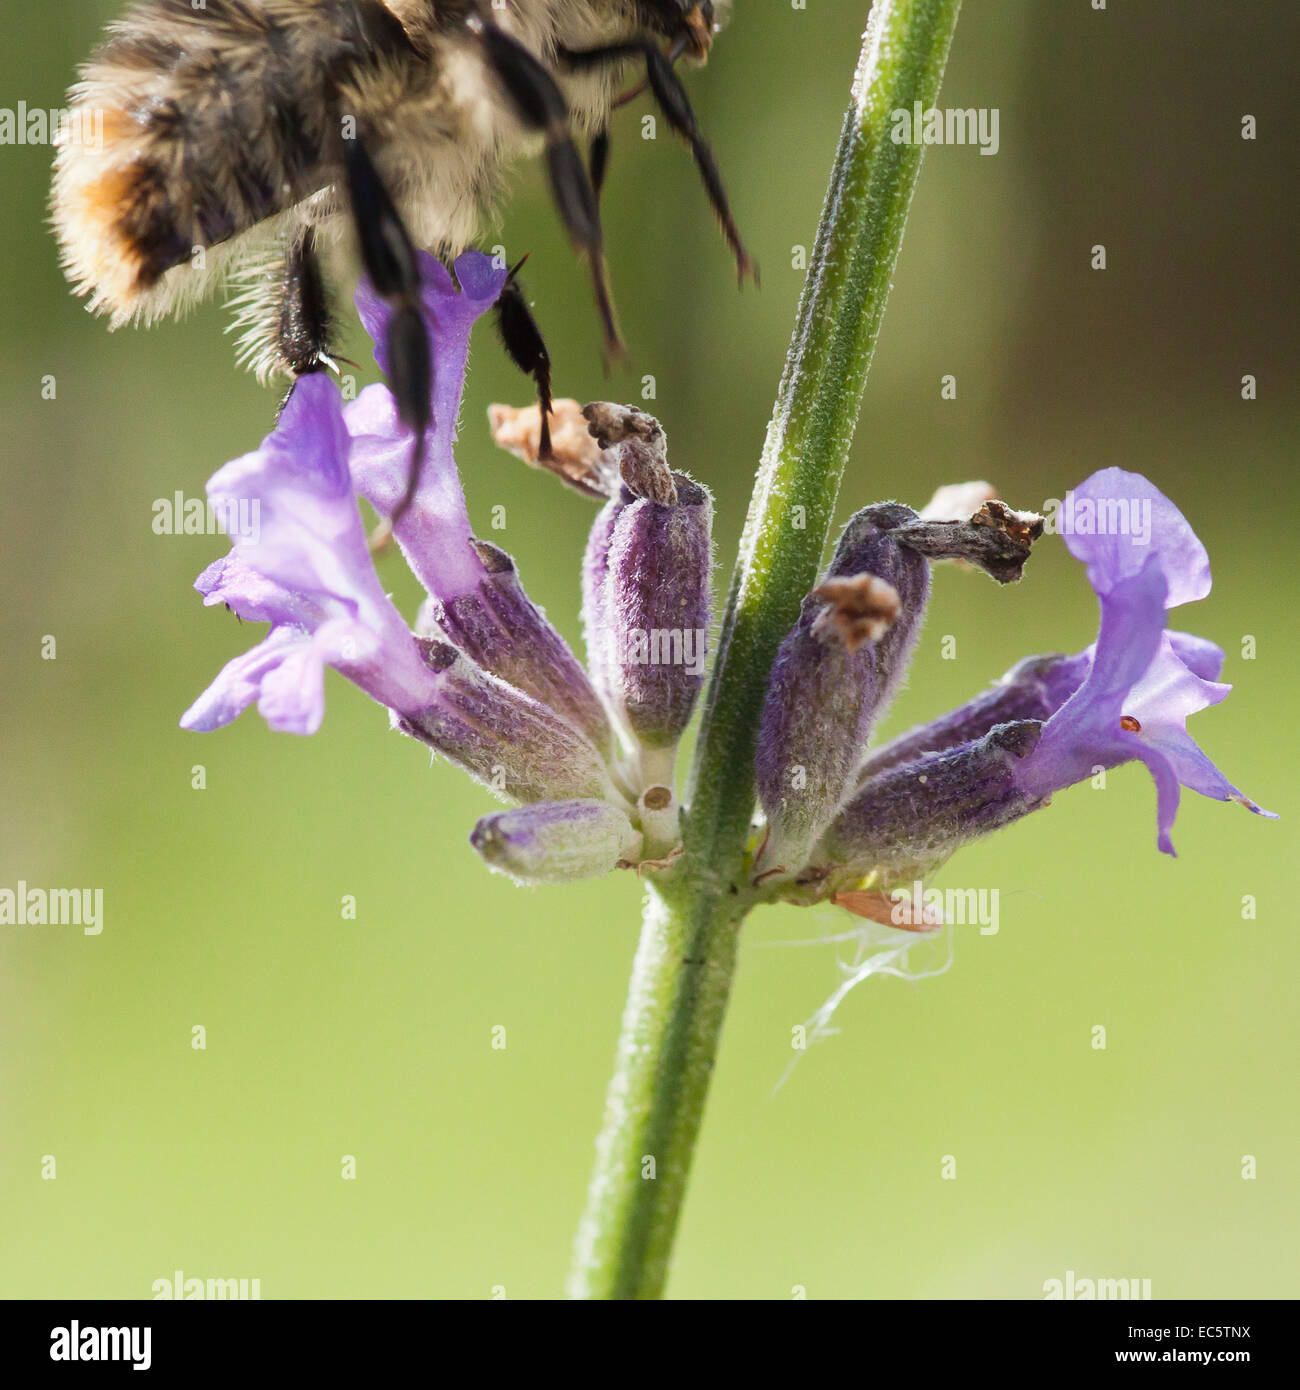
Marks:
<point>690,24</point>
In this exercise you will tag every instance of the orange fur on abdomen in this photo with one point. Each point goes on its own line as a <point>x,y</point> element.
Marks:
<point>110,208</point>
<point>214,120</point>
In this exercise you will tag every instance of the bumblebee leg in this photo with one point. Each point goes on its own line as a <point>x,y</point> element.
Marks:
<point>389,259</point>
<point>676,107</point>
<point>598,161</point>
<point>305,324</point>
<point>540,104</point>
<point>527,349</point>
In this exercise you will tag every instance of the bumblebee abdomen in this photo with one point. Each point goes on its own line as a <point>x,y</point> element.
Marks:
<point>214,119</point>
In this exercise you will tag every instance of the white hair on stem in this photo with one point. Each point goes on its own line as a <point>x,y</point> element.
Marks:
<point>878,950</point>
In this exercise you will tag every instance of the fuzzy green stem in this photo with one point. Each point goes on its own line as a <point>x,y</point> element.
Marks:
<point>681,979</point>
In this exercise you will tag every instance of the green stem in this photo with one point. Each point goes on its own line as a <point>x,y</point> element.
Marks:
<point>682,975</point>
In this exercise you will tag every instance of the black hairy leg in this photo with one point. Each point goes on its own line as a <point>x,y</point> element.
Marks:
<point>527,349</point>
<point>540,104</point>
<point>388,256</point>
<point>304,325</point>
<point>598,161</point>
<point>672,100</point>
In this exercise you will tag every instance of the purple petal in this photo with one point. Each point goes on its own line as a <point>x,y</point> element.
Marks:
<point>309,537</point>
<point>1168,796</point>
<point>453,307</point>
<point>240,681</point>
<point>253,596</point>
<point>1169,689</point>
<point>292,696</point>
<point>1115,521</point>
<point>307,570</point>
<point>1132,622</point>
<point>1199,655</point>
<point>1134,703</point>
<point>434,533</point>
<point>1162,701</point>
<point>1085,732</point>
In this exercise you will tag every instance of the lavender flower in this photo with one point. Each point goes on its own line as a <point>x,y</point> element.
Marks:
<point>309,574</point>
<point>1054,720</point>
<point>839,667</point>
<point>485,680</point>
<point>475,598</point>
<point>1136,697</point>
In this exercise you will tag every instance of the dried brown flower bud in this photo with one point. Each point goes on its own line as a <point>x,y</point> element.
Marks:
<point>636,442</point>
<point>859,608</point>
<point>957,501</point>
<point>576,458</point>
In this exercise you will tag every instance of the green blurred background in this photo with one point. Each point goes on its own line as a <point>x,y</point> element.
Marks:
<point>372,1037</point>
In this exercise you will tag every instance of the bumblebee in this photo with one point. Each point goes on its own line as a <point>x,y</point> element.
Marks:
<point>241,136</point>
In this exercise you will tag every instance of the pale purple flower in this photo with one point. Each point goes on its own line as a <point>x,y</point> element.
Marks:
<point>506,699</point>
<point>1056,720</point>
<point>484,679</point>
<point>476,601</point>
<point>309,574</point>
<point>435,533</point>
<point>487,681</point>
<point>1142,683</point>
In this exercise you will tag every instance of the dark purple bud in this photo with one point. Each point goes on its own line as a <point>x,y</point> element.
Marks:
<point>510,742</point>
<point>557,841</point>
<point>499,626</point>
<point>646,586</point>
<point>833,676</point>
<point>906,820</point>
<point>1032,689</point>
<point>595,606</point>
<point>657,611</point>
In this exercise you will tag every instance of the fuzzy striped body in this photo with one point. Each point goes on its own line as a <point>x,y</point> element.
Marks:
<point>222,129</point>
